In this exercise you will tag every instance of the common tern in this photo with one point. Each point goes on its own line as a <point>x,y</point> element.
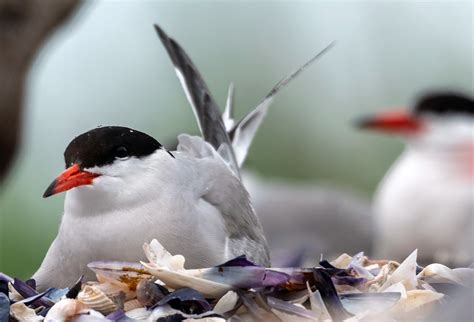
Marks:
<point>426,199</point>
<point>124,189</point>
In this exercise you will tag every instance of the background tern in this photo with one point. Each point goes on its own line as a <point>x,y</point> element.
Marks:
<point>426,199</point>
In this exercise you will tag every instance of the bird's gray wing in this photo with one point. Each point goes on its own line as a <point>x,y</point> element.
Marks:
<point>226,193</point>
<point>244,131</point>
<point>245,234</point>
<point>205,108</point>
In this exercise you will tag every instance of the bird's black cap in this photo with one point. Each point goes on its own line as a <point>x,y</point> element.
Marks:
<point>448,103</point>
<point>103,145</point>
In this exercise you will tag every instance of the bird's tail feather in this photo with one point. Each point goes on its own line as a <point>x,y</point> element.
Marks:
<point>244,131</point>
<point>232,139</point>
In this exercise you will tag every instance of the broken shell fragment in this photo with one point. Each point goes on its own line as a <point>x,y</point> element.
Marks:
<point>131,305</point>
<point>21,312</point>
<point>139,314</point>
<point>405,273</point>
<point>186,300</point>
<point>149,293</point>
<point>417,305</point>
<point>127,273</point>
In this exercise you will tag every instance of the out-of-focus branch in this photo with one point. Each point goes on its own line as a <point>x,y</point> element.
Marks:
<point>24,26</point>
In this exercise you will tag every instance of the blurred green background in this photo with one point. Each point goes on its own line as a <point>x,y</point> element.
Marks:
<point>107,67</point>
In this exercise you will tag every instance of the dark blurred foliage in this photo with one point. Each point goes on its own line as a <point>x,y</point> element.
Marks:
<point>24,26</point>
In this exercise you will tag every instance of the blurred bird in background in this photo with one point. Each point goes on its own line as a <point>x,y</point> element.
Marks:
<point>426,199</point>
<point>306,220</point>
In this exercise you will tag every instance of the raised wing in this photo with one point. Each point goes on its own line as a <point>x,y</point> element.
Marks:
<point>205,108</point>
<point>244,131</point>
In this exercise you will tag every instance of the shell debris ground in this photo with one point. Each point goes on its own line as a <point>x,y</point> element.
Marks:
<point>349,288</point>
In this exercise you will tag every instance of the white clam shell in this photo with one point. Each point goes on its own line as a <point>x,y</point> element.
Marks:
<point>66,309</point>
<point>226,303</point>
<point>140,314</point>
<point>96,299</point>
<point>179,279</point>
<point>438,273</point>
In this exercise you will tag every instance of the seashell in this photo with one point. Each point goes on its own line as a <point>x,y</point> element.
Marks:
<point>96,299</point>
<point>417,305</point>
<point>187,300</point>
<point>163,311</point>
<point>131,305</point>
<point>438,273</point>
<point>66,309</point>
<point>405,273</point>
<point>317,305</point>
<point>23,313</point>
<point>342,261</point>
<point>376,303</point>
<point>374,284</point>
<point>226,303</point>
<point>140,314</point>
<point>290,312</point>
<point>398,288</point>
<point>215,281</point>
<point>179,279</point>
<point>13,294</point>
<point>116,290</point>
<point>127,273</point>
<point>158,255</point>
<point>283,316</point>
<point>149,293</point>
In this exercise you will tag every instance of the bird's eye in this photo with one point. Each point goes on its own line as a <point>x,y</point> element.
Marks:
<point>121,153</point>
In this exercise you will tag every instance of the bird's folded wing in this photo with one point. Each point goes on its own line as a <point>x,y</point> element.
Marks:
<point>244,232</point>
<point>227,195</point>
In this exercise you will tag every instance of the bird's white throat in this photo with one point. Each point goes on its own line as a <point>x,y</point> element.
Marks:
<point>123,185</point>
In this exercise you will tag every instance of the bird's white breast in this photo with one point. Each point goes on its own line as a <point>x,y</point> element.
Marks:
<point>425,202</point>
<point>112,219</point>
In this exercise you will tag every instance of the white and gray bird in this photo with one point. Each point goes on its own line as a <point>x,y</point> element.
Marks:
<point>426,200</point>
<point>124,188</point>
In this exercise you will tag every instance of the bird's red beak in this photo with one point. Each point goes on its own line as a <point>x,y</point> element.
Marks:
<point>70,178</point>
<point>393,121</point>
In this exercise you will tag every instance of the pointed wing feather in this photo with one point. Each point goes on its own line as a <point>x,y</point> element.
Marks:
<point>244,131</point>
<point>228,115</point>
<point>205,109</point>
